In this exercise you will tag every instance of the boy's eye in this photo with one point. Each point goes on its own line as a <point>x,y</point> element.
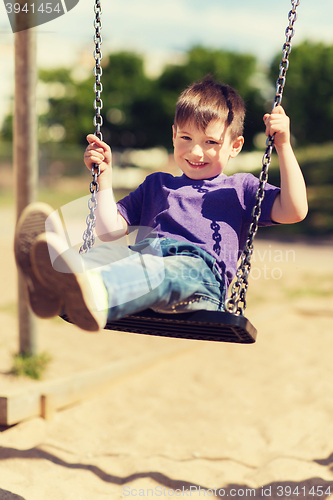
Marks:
<point>186,137</point>
<point>212,142</point>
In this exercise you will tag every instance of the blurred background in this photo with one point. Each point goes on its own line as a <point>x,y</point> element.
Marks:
<point>151,52</point>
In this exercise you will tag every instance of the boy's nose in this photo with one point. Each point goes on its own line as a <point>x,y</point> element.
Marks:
<point>197,151</point>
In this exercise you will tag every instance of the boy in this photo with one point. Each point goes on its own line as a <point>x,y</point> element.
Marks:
<point>198,222</point>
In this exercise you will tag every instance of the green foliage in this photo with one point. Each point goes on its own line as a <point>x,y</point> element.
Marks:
<point>316,162</point>
<point>137,111</point>
<point>145,108</point>
<point>6,132</point>
<point>69,105</point>
<point>126,87</point>
<point>231,68</point>
<point>30,366</point>
<point>6,151</point>
<point>308,95</point>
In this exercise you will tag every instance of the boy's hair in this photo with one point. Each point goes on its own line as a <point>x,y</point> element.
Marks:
<point>209,100</point>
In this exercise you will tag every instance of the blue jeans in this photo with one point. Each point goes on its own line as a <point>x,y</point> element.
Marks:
<point>165,275</point>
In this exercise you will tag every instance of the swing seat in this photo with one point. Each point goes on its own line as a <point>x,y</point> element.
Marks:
<point>214,326</point>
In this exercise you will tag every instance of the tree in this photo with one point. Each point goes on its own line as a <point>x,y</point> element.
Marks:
<point>230,68</point>
<point>124,82</point>
<point>68,106</point>
<point>308,95</point>
<point>126,89</point>
<point>138,111</point>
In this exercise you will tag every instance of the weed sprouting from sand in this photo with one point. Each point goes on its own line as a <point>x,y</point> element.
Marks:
<point>32,366</point>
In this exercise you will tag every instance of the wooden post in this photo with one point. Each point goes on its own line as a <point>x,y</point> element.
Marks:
<point>25,158</point>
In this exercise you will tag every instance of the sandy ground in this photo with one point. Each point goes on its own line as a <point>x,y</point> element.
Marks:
<point>212,420</point>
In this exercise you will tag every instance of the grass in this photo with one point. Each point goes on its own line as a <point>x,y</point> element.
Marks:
<point>6,198</point>
<point>312,286</point>
<point>9,308</point>
<point>57,198</point>
<point>32,366</point>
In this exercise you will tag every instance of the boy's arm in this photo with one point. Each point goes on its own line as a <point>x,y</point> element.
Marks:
<point>110,225</point>
<point>291,204</point>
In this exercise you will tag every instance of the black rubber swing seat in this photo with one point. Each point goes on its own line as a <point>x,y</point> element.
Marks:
<point>214,326</point>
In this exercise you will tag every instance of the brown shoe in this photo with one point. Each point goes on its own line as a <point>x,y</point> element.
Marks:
<point>59,268</point>
<point>35,219</point>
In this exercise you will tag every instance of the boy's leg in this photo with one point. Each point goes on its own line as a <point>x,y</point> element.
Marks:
<point>117,281</point>
<point>146,279</point>
<point>190,285</point>
<point>44,303</point>
<point>60,269</point>
<point>49,291</point>
<point>94,284</point>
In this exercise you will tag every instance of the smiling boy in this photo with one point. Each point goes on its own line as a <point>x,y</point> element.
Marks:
<point>204,154</point>
<point>208,129</point>
<point>198,222</point>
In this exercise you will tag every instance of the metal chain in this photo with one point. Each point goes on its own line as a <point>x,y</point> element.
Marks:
<point>88,235</point>
<point>214,225</point>
<point>236,304</point>
<point>216,236</point>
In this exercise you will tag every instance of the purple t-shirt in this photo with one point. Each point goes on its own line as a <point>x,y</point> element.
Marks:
<point>213,214</point>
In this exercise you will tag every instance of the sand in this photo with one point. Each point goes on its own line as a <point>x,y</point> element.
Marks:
<point>211,420</point>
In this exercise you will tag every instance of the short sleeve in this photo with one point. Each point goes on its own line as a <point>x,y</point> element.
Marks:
<point>130,207</point>
<point>251,186</point>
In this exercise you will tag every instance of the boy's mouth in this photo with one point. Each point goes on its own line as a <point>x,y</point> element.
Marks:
<point>198,164</point>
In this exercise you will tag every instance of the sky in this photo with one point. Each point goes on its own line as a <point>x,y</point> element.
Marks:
<point>163,30</point>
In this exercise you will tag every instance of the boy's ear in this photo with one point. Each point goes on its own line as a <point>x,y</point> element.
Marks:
<point>236,146</point>
<point>174,133</point>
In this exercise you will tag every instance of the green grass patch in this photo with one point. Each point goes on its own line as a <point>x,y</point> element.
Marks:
<point>32,366</point>
<point>9,308</point>
<point>6,197</point>
<point>316,287</point>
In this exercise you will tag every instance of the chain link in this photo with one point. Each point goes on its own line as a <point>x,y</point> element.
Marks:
<point>236,304</point>
<point>88,235</point>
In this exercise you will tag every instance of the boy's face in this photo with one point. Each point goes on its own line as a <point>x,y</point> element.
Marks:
<point>204,154</point>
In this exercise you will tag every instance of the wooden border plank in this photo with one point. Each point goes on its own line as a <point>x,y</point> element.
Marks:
<point>47,397</point>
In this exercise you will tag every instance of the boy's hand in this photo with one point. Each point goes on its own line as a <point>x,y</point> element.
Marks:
<point>278,123</point>
<point>97,152</point>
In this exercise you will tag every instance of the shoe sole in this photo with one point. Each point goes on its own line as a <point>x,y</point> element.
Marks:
<point>31,224</point>
<point>71,286</point>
